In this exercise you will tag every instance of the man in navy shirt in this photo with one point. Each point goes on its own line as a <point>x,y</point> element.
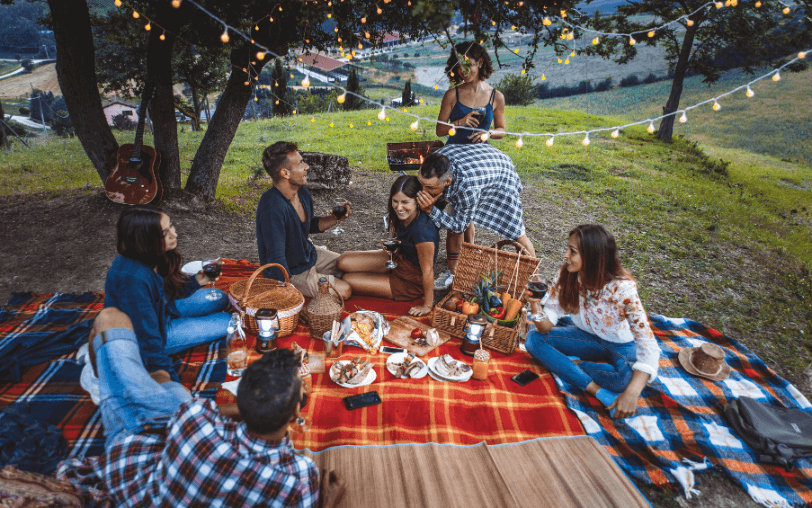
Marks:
<point>285,219</point>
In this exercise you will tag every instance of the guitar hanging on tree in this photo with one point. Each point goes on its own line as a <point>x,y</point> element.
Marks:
<point>134,180</point>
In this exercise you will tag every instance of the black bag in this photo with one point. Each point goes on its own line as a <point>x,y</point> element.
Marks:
<point>781,435</point>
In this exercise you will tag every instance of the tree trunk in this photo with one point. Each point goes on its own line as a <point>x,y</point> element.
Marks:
<point>3,136</point>
<point>666,130</point>
<point>76,73</point>
<point>162,107</point>
<point>222,127</point>
<point>196,102</point>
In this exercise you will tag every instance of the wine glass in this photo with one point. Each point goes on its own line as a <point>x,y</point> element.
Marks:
<point>339,210</point>
<point>301,425</point>
<point>391,245</point>
<point>212,269</point>
<point>538,289</point>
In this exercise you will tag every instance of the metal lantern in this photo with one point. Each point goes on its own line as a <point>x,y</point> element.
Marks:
<point>474,328</point>
<point>268,324</point>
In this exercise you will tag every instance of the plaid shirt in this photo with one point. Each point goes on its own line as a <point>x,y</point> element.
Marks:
<point>207,460</point>
<point>485,190</point>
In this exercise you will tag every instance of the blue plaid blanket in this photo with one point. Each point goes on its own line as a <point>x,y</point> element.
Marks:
<point>52,388</point>
<point>678,430</point>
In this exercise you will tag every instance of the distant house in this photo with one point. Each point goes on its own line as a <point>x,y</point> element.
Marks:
<point>117,107</point>
<point>386,41</point>
<point>324,68</point>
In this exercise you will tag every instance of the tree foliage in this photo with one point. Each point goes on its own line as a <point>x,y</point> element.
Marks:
<point>352,102</point>
<point>279,89</point>
<point>518,89</point>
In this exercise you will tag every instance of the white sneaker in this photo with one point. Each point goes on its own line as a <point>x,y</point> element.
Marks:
<point>90,382</point>
<point>83,356</point>
<point>444,280</point>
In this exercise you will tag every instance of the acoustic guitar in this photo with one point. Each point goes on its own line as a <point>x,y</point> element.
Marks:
<point>134,180</point>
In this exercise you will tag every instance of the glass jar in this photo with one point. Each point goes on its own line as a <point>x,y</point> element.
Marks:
<point>481,358</point>
<point>307,378</point>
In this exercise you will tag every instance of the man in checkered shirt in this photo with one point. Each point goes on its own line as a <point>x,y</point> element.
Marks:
<point>166,449</point>
<point>482,186</point>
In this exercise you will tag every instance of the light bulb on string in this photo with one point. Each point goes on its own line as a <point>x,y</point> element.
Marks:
<point>520,142</point>
<point>683,118</point>
<point>341,98</point>
<point>485,136</point>
<point>294,111</point>
<point>716,105</point>
<point>224,37</point>
<point>364,19</point>
<point>329,15</point>
<point>585,141</point>
<point>776,76</point>
<point>570,36</point>
<point>175,3</point>
<point>757,4</point>
<point>414,125</point>
<point>749,91</point>
<point>734,3</point>
<point>719,5</point>
<point>118,3</point>
<point>163,36</point>
<point>255,98</point>
<point>379,11</point>
<point>550,141</point>
<point>546,22</point>
<point>436,87</point>
<point>543,77</point>
<point>523,71</point>
<point>452,131</point>
<point>690,22</point>
<point>305,81</point>
<point>786,10</point>
<point>651,128</point>
<point>651,33</point>
<point>632,42</point>
<point>567,61</point>
<point>136,15</point>
<point>382,114</point>
<point>260,55</point>
<point>276,101</point>
<point>615,133</point>
<point>148,26</point>
<point>802,55</point>
<point>595,41</point>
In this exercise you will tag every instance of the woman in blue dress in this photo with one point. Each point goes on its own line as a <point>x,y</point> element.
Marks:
<point>471,102</point>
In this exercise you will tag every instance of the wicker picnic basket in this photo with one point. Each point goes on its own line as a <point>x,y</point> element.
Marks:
<point>516,269</point>
<point>249,295</point>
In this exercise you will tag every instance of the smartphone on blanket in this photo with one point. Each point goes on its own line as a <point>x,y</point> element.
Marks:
<point>362,400</point>
<point>524,377</point>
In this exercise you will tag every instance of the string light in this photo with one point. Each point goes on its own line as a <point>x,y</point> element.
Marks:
<point>305,81</point>
<point>719,5</point>
<point>382,114</point>
<point>550,141</point>
<point>690,22</point>
<point>651,33</point>
<point>260,55</point>
<point>520,142</point>
<point>341,98</point>
<point>786,10</point>
<point>148,26</point>
<point>595,41</point>
<point>379,10</point>
<point>225,38</point>
<point>118,3</point>
<point>136,15</point>
<point>758,4</point>
<point>802,55</point>
<point>414,125</point>
<point>776,76</point>
<point>485,136</point>
<point>585,141</point>
<point>716,106</point>
<point>632,42</point>
<point>175,3</point>
<point>615,133</point>
<point>163,36</point>
<point>452,131</point>
<point>750,91</point>
<point>683,118</point>
<point>650,128</point>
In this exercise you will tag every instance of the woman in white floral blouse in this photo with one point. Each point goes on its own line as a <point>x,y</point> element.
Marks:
<point>609,351</point>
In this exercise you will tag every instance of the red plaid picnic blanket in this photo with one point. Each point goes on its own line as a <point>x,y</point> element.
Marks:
<point>423,410</point>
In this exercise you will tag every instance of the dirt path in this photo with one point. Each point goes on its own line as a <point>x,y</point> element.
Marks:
<point>42,78</point>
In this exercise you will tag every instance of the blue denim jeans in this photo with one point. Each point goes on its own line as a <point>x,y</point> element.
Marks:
<point>201,321</point>
<point>553,348</point>
<point>130,400</point>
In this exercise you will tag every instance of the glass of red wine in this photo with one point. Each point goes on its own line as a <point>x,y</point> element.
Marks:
<point>391,245</point>
<point>538,289</point>
<point>339,211</point>
<point>212,269</point>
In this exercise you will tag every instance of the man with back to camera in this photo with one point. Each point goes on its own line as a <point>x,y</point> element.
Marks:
<point>482,187</point>
<point>164,448</point>
<point>285,220</point>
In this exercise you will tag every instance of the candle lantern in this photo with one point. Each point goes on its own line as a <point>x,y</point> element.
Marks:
<point>474,328</point>
<point>268,324</point>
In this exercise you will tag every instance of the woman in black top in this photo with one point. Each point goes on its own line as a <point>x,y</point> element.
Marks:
<point>413,278</point>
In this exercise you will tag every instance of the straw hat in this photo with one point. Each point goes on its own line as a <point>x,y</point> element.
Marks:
<point>707,360</point>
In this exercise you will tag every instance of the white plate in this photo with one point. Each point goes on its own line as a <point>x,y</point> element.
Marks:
<point>192,267</point>
<point>337,366</point>
<point>398,358</point>
<point>440,377</point>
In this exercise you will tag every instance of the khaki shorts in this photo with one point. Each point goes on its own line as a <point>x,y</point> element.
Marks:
<point>308,282</point>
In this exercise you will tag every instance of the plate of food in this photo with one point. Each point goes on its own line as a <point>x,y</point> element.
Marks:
<point>192,267</point>
<point>445,368</point>
<point>406,366</point>
<point>352,373</point>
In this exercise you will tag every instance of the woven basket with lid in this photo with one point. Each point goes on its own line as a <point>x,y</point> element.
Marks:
<point>249,295</point>
<point>323,309</point>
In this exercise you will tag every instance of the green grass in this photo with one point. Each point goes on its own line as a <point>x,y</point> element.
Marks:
<point>6,67</point>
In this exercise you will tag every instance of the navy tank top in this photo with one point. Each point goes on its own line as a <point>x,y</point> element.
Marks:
<point>460,110</point>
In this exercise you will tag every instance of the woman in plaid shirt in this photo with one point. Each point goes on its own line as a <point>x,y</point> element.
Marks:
<point>609,351</point>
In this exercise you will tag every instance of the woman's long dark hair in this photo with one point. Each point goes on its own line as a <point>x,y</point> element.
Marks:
<point>408,185</point>
<point>140,237</point>
<point>600,264</point>
<point>474,52</point>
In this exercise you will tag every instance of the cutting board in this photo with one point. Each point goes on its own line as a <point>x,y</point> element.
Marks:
<point>400,333</point>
